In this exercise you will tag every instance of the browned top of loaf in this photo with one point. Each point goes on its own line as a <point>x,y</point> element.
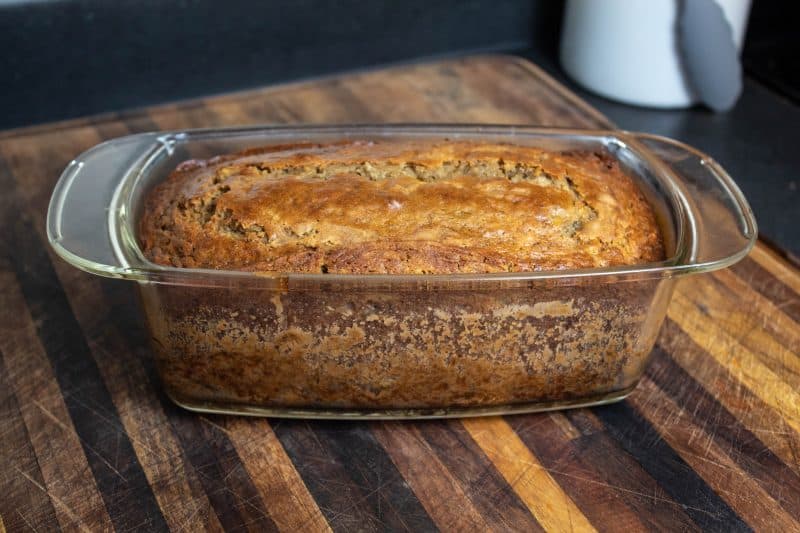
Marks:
<point>399,207</point>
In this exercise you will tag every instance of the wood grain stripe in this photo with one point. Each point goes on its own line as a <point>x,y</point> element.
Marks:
<point>290,505</point>
<point>553,508</point>
<point>25,502</point>
<point>575,102</point>
<point>67,478</point>
<point>481,482</point>
<point>761,327</point>
<point>751,502</point>
<point>598,475</point>
<point>438,491</point>
<point>782,270</point>
<point>410,97</point>
<point>226,482</point>
<point>750,410</point>
<point>729,352</point>
<point>704,442</point>
<point>541,106</point>
<point>642,441</point>
<point>354,489</point>
<point>325,106</point>
<point>776,291</point>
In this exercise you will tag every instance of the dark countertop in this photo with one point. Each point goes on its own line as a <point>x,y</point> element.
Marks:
<point>756,142</point>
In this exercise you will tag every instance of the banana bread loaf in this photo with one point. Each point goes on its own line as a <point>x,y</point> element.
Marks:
<point>400,207</point>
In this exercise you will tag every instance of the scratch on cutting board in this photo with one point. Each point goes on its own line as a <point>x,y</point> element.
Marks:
<point>355,502</point>
<point>26,521</point>
<point>653,497</point>
<point>75,518</point>
<point>66,428</point>
<point>188,521</point>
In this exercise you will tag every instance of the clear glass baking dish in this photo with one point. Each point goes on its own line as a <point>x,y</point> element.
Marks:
<point>398,346</point>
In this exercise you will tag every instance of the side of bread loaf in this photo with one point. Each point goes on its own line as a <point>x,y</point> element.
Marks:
<point>400,208</point>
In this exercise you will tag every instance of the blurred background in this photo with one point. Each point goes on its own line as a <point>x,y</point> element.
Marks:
<point>68,58</point>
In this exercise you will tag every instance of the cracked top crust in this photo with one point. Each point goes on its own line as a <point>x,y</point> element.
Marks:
<point>399,207</point>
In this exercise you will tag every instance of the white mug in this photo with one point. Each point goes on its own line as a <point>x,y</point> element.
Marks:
<point>628,50</point>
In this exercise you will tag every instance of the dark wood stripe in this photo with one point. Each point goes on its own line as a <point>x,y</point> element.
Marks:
<point>712,463</point>
<point>710,459</point>
<point>67,475</point>
<point>226,482</point>
<point>437,490</point>
<point>598,475</point>
<point>642,441</point>
<point>763,281</point>
<point>24,503</point>
<point>494,498</point>
<point>349,474</point>
<point>119,476</point>
<point>752,411</point>
<point>752,455</point>
<point>288,501</point>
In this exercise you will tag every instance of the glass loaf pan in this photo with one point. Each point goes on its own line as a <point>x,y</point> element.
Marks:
<point>398,346</point>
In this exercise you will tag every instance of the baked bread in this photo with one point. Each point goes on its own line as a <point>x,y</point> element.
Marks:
<point>400,207</point>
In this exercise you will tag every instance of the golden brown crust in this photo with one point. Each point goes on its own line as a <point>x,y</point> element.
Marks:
<point>400,208</point>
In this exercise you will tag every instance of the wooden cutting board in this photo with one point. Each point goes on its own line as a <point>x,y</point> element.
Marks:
<point>709,440</point>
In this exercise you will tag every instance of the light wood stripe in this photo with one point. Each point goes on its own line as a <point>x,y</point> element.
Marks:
<point>68,478</point>
<point>712,463</point>
<point>592,469</point>
<point>761,326</point>
<point>776,266</point>
<point>537,105</point>
<point>751,411</point>
<point>290,505</point>
<point>486,488</point>
<point>551,506</point>
<point>741,362</point>
<point>587,112</point>
<point>437,490</point>
<point>771,315</point>
<point>24,499</point>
